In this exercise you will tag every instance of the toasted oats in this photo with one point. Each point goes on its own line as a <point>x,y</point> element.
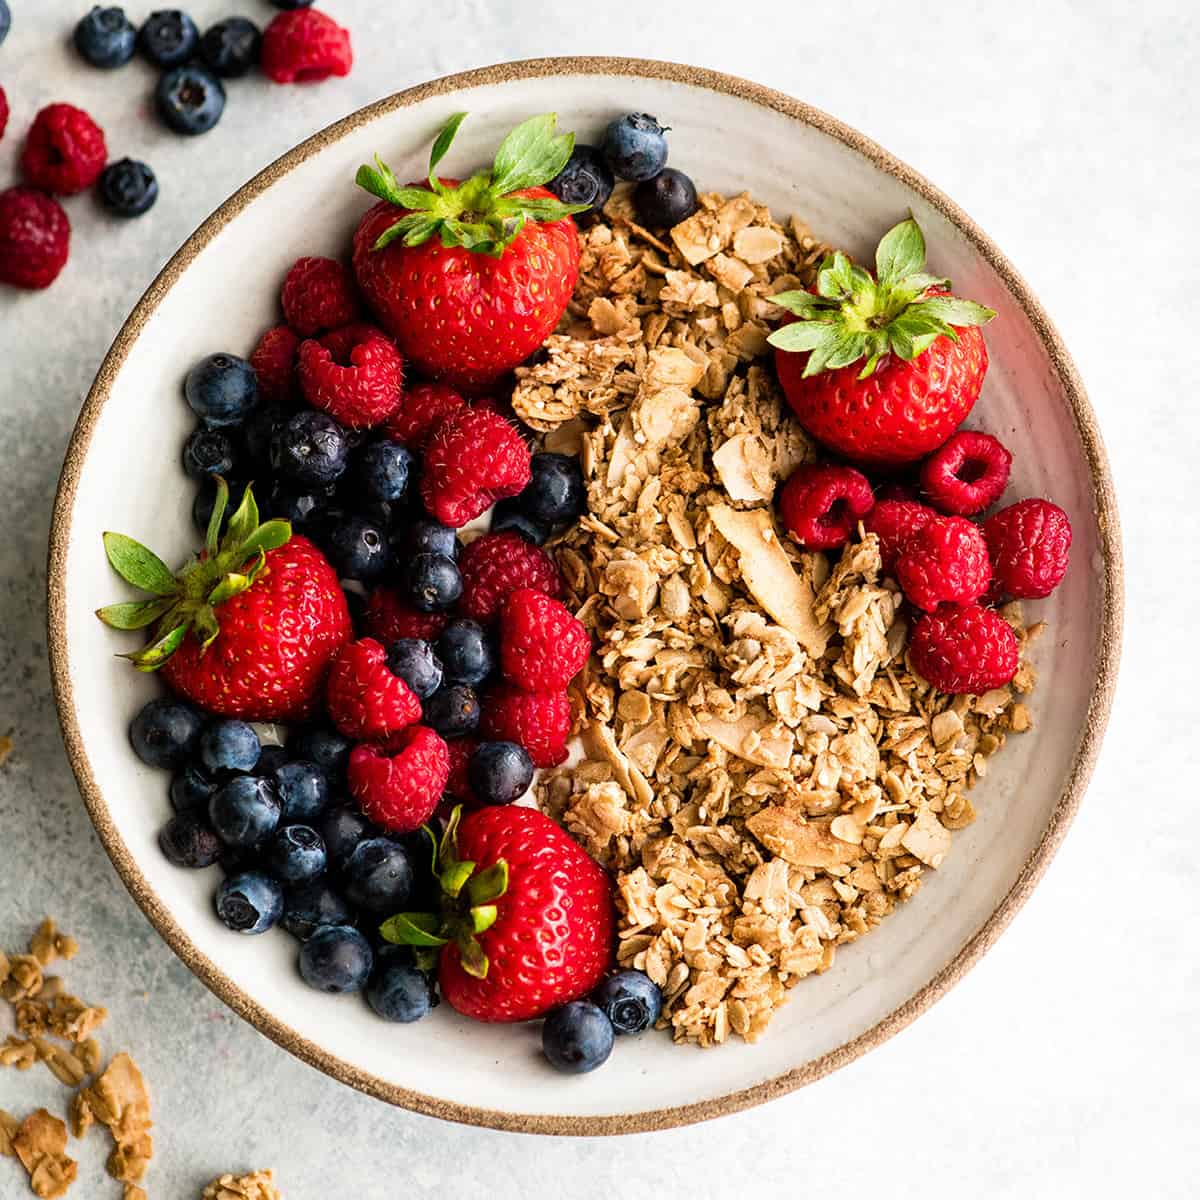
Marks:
<point>119,1100</point>
<point>259,1185</point>
<point>40,1142</point>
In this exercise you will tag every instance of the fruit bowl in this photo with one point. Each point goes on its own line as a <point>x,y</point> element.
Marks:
<point>731,136</point>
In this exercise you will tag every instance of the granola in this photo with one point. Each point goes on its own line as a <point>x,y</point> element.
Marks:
<point>258,1185</point>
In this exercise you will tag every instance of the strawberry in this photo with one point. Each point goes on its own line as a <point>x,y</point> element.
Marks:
<point>527,916</point>
<point>925,357</point>
<point>263,609</point>
<point>471,277</point>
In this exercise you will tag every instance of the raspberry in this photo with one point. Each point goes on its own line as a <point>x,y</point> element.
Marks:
<point>3,111</point>
<point>274,363</point>
<point>399,786</point>
<point>542,646</point>
<point>894,522</point>
<point>539,721</point>
<point>1029,544</point>
<point>318,294</point>
<point>364,698</point>
<point>968,473</point>
<point>355,377</point>
<point>35,238</point>
<point>945,560</point>
<point>964,648</point>
<point>495,565</point>
<point>64,151</point>
<point>822,504</point>
<point>473,459</point>
<point>422,408</point>
<point>305,46</point>
<point>389,619</point>
<point>457,785</point>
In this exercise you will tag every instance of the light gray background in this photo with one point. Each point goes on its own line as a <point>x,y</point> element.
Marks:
<point>1068,1063</point>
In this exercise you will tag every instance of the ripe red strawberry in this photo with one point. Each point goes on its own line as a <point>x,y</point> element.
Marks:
<point>542,646</point>
<point>495,565</point>
<point>248,628</point>
<point>925,358</point>
<point>399,784</point>
<point>423,407</point>
<point>473,459</point>
<point>527,919</point>
<point>365,700</point>
<point>471,277</point>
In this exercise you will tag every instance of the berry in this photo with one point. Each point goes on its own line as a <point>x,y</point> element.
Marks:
<point>168,37</point>
<point>360,389</point>
<point>191,789</point>
<point>249,902</point>
<point>64,150</point>
<point>206,500</point>
<point>189,99</point>
<point>230,48</point>
<point>458,786</point>
<point>364,698</point>
<point>422,408</point>
<point>342,830</point>
<point>187,840</point>
<point>105,37</point>
<point>5,20</point>
<point>399,785</point>
<point>427,536</point>
<point>384,470</point>
<point>221,389</point>
<point>507,515</point>
<point>388,618</point>
<point>966,474</point>
<point>321,745</point>
<point>630,1000</point>
<point>586,179</point>
<point>303,789</point>
<point>964,648</point>
<point>378,875</point>
<point>555,494</point>
<point>496,565</point>
<point>311,906</point>
<point>336,958</point>
<point>305,46</point>
<point>431,582</point>
<point>397,991</point>
<point>310,448</point>
<point>208,452</point>
<point>165,733</point>
<point>499,772</point>
<point>318,294</point>
<point>894,522</point>
<point>244,811</point>
<point>945,560</point>
<point>635,146</point>
<point>358,549</point>
<point>3,103</point>
<point>294,854</point>
<point>414,661</point>
<point>577,1038</point>
<point>290,4</point>
<point>1029,544</point>
<point>665,200</point>
<point>274,363</point>
<point>128,188</point>
<point>465,652</point>
<point>270,759</point>
<point>542,646</point>
<point>539,721</point>
<point>35,238</point>
<point>228,746</point>
<point>452,710</point>
<point>822,504</point>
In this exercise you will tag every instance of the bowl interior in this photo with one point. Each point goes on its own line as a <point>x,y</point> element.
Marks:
<point>128,478</point>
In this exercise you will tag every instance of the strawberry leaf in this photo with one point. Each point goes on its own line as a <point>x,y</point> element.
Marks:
<point>900,252</point>
<point>441,145</point>
<point>134,614</point>
<point>532,154</point>
<point>139,566</point>
<point>268,536</point>
<point>483,917</point>
<point>412,929</point>
<point>488,885</point>
<point>151,657</point>
<point>455,876</point>
<point>471,957</point>
<point>212,536</point>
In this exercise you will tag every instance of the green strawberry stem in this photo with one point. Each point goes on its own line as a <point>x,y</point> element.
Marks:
<point>189,599</point>
<point>855,315</point>
<point>482,214</point>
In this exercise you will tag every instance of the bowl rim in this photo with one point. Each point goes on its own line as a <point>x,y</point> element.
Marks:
<point>1100,700</point>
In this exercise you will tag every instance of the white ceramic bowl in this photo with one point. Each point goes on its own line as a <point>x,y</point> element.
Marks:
<point>729,135</point>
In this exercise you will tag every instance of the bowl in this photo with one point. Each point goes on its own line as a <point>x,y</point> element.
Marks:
<point>730,135</point>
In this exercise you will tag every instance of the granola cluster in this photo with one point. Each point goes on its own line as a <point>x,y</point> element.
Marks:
<point>762,771</point>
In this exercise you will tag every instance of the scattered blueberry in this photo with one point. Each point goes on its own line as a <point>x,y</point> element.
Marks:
<point>431,582</point>
<point>499,772</point>
<point>290,4</point>
<point>465,652</point>
<point>5,20</point>
<point>166,732</point>
<point>221,389</point>
<point>378,876</point>
<point>128,188</point>
<point>635,147</point>
<point>323,745</point>
<point>190,99</point>
<point>309,447</point>
<point>308,906</point>
<point>577,1038</point>
<point>414,661</point>
<point>586,179</point>
<point>270,760</point>
<point>228,745</point>
<point>294,854</point>
<point>384,470</point>
<point>206,499</point>
<point>342,829</point>
<point>208,452</point>
<point>452,711</point>
<point>631,1000</point>
<point>230,47</point>
<point>358,550</point>
<point>187,840</point>
<point>507,514</point>
<point>397,991</point>
<point>191,789</point>
<point>250,902</point>
<point>105,37</point>
<point>244,811</point>
<point>665,200</point>
<point>303,789</point>
<point>555,494</point>
<point>427,536</point>
<point>168,37</point>
<point>336,958</point>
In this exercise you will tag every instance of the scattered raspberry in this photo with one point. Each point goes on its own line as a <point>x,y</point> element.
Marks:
<point>318,294</point>
<point>894,522</point>
<point>821,505</point>
<point>967,474</point>
<point>364,698</point>
<point>274,363</point>
<point>389,619</point>
<point>305,46</point>
<point>473,459</point>
<point>399,786</point>
<point>946,560</point>
<point>964,648</point>
<point>422,408</point>
<point>64,152</point>
<point>35,238</point>
<point>894,491</point>
<point>1030,545</point>
<point>542,646</point>
<point>356,378</point>
<point>457,785</point>
<point>495,565</point>
<point>3,112</point>
<point>539,721</point>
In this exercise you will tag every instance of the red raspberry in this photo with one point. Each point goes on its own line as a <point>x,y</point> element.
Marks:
<point>473,459</point>
<point>364,698</point>
<point>64,151</point>
<point>274,363</point>
<point>3,111</point>
<point>389,619</point>
<point>399,786</point>
<point>305,46</point>
<point>458,786</point>
<point>495,565</point>
<point>542,646</point>
<point>821,505</point>
<point>966,474</point>
<point>355,377</point>
<point>945,560</point>
<point>894,522</point>
<point>539,721</point>
<point>964,648</point>
<point>35,238</point>
<point>1029,544</point>
<point>318,294</point>
<point>422,408</point>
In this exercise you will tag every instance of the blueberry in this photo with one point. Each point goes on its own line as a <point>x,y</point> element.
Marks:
<point>5,20</point>
<point>310,905</point>
<point>465,652</point>
<point>577,1038</point>
<point>237,860</point>
<point>229,746</point>
<point>250,902</point>
<point>105,37</point>
<point>343,829</point>
<point>309,447</point>
<point>415,662</point>
<point>631,1001</point>
<point>635,147</point>
<point>586,179</point>
<point>168,37</point>
<point>166,733</point>
<point>453,710</point>
<point>384,470</point>
<point>300,505</point>
<point>259,428</point>
<point>427,536</point>
<point>356,604</point>
<point>270,760</point>
<point>191,789</point>
<point>290,4</point>
<point>665,200</point>
<point>208,452</point>
<point>244,811</point>
<point>230,47</point>
<point>336,958</point>
<point>431,582</point>
<point>397,991</point>
<point>190,99</point>
<point>303,790</point>
<point>507,514</point>
<point>294,854</point>
<point>322,745</point>
<point>555,494</point>
<point>221,389</point>
<point>128,188</point>
<point>358,549</point>
<point>378,876</point>
<point>187,840</point>
<point>499,772</point>
<point>206,499</point>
